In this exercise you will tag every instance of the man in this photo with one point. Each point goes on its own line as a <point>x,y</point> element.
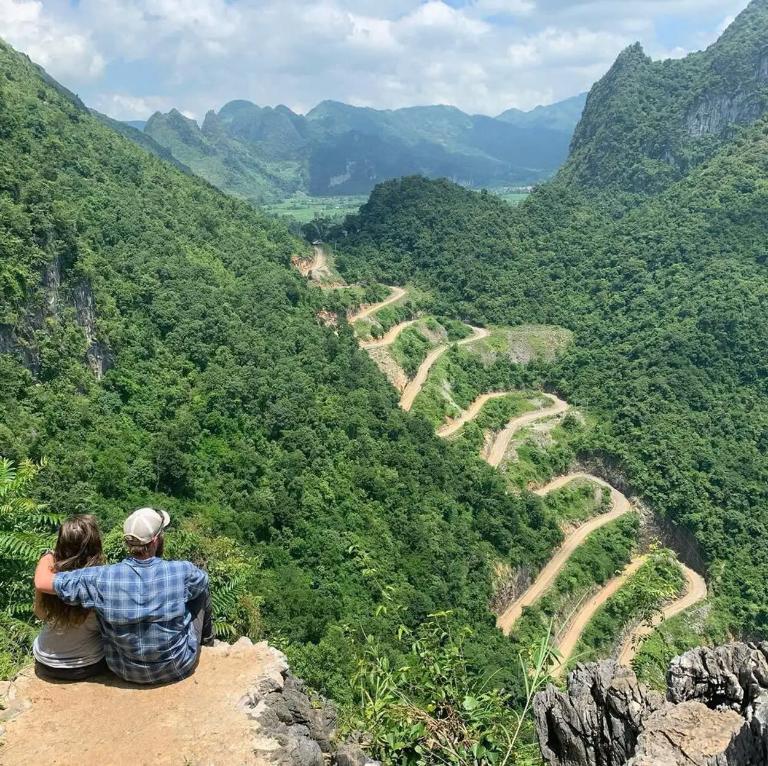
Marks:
<point>154,614</point>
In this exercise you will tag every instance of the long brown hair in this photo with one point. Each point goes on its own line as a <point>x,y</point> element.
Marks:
<point>77,546</point>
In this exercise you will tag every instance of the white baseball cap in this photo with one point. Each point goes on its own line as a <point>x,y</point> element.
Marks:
<point>145,524</point>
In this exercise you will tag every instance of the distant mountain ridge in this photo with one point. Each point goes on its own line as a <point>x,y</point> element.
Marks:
<point>647,123</point>
<point>264,154</point>
<point>563,115</point>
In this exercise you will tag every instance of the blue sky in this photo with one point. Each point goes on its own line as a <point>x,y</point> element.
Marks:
<point>129,58</point>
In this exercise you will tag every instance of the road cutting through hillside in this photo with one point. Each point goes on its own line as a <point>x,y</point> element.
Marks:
<point>413,388</point>
<point>389,337</point>
<point>469,414</point>
<point>363,313</point>
<point>548,575</point>
<point>501,442</point>
<point>695,592</point>
<point>567,644</point>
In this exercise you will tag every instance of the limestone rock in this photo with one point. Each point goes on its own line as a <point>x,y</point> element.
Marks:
<point>691,734</point>
<point>716,713</point>
<point>597,721</point>
<point>353,755</point>
<point>734,676</point>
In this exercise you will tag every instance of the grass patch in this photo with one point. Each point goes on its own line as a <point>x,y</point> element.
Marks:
<point>410,349</point>
<point>523,344</point>
<point>540,455</point>
<point>414,344</point>
<point>578,501</point>
<point>460,376</point>
<point>303,208</point>
<point>696,627</point>
<point>494,417</point>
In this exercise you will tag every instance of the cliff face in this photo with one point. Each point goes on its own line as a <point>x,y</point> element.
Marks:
<point>715,713</point>
<point>647,123</point>
<point>59,298</point>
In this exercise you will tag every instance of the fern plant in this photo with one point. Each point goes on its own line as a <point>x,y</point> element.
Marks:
<point>26,530</point>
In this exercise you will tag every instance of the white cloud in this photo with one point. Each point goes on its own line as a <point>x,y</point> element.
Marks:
<point>57,46</point>
<point>503,7</point>
<point>561,47</point>
<point>123,106</point>
<point>483,56</point>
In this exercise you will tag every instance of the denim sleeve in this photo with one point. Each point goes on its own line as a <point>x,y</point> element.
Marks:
<point>79,587</point>
<point>196,582</point>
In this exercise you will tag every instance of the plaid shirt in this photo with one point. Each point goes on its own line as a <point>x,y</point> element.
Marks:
<point>147,626</point>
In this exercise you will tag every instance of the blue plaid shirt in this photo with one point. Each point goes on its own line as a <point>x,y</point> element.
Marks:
<point>143,609</point>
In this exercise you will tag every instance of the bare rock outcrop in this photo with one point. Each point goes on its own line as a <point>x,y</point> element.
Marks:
<point>690,734</point>
<point>715,714</point>
<point>241,707</point>
<point>598,720</point>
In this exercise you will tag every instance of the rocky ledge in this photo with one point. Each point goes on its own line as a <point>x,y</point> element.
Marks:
<point>715,713</point>
<point>242,707</point>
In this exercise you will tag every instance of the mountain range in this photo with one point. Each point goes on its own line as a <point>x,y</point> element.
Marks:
<point>648,123</point>
<point>264,154</point>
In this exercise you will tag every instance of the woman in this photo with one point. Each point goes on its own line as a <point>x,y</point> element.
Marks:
<point>70,647</point>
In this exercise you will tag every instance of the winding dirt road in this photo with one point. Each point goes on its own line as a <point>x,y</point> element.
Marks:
<point>549,573</point>
<point>469,414</point>
<point>696,591</point>
<point>568,642</point>
<point>389,337</point>
<point>363,313</point>
<point>501,442</point>
<point>413,388</point>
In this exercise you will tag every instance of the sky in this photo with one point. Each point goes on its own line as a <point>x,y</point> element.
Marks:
<point>130,58</point>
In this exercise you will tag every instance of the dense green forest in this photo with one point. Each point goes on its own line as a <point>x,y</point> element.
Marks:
<point>158,348</point>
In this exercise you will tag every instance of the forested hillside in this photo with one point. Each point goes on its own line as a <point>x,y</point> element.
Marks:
<point>157,348</point>
<point>648,123</point>
<point>263,154</point>
<point>666,299</point>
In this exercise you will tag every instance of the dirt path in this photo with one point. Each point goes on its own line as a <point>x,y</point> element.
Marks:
<point>549,573</point>
<point>568,642</point>
<point>469,414</point>
<point>104,721</point>
<point>501,442</point>
<point>696,591</point>
<point>366,311</point>
<point>413,388</point>
<point>389,337</point>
